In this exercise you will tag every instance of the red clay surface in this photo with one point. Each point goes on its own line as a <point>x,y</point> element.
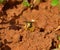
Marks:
<point>13,35</point>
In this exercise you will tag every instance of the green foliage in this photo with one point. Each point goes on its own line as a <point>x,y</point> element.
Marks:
<point>26,3</point>
<point>54,2</point>
<point>1,1</point>
<point>58,38</point>
<point>55,49</point>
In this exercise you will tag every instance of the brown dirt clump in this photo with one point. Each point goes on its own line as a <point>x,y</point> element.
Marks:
<point>24,28</point>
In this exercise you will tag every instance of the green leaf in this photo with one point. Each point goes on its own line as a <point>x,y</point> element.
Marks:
<point>25,3</point>
<point>55,49</point>
<point>58,37</point>
<point>54,2</point>
<point>1,1</point>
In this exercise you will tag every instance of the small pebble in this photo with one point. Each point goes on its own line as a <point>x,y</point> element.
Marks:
<point>33,20</point>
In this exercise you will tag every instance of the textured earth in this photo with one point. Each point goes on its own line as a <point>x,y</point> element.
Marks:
<point>14,35</point>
